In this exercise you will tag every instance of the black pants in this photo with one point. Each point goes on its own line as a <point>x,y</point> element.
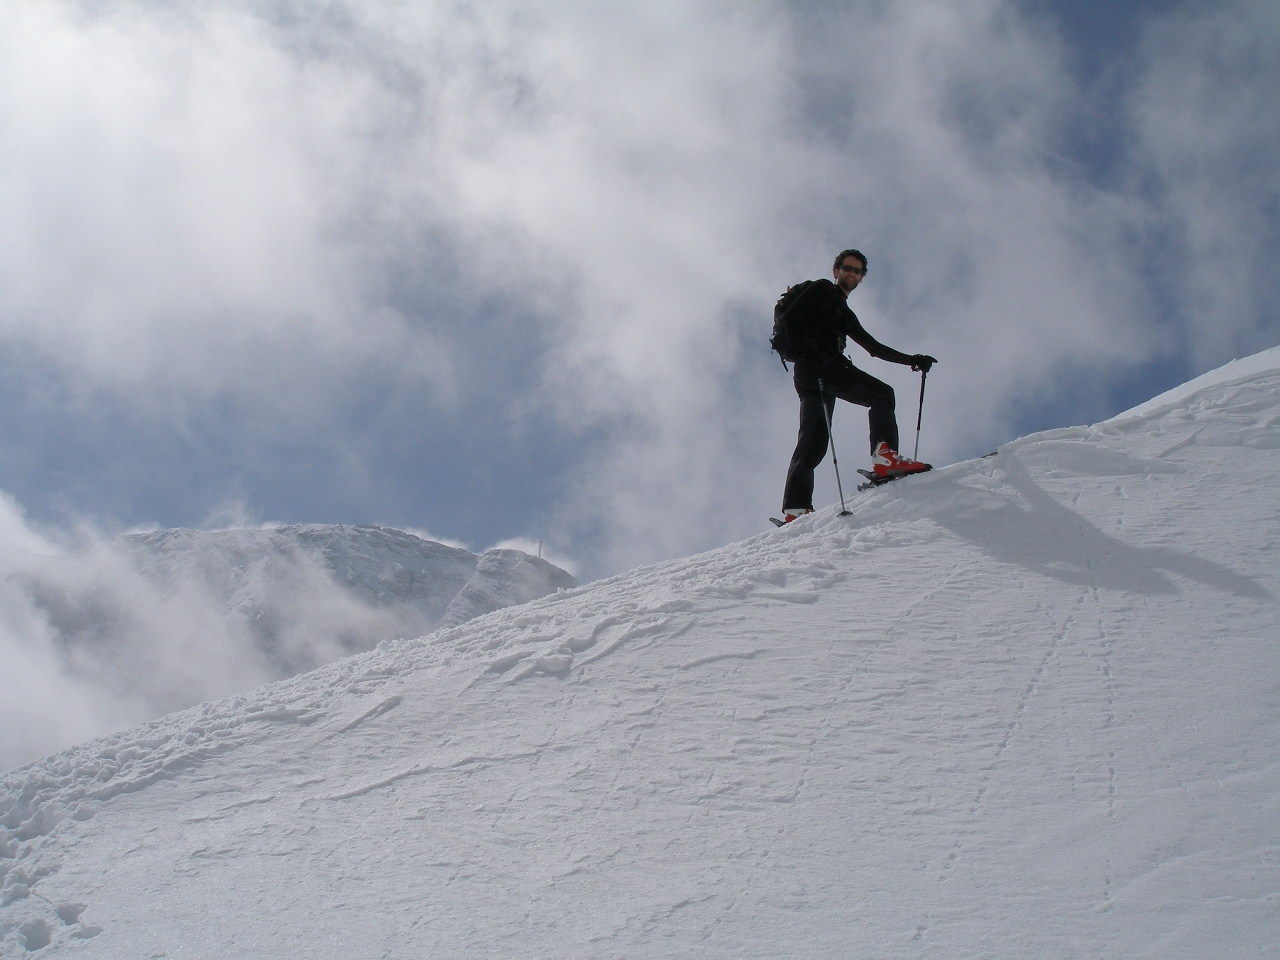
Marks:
<point>841,380</point>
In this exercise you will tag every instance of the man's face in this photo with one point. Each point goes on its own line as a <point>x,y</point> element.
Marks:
<point>849,274</point>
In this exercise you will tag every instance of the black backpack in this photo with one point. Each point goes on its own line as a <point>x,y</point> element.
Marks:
<point>792,340</point>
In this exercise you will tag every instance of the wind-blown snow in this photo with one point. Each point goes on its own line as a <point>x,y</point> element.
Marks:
<point>145,624</point>
<point>1024,706</point>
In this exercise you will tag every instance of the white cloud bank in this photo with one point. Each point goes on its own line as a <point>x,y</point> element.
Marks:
<point>581,215</point>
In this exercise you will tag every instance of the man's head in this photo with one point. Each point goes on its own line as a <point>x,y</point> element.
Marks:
<point>849,269</point>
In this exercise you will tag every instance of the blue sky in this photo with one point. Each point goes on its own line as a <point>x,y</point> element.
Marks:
<point>505,271</point>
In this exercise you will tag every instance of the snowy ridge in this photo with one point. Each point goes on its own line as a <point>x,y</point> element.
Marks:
<point>1022,706</point>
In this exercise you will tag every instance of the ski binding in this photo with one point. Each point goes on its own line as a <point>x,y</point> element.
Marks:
<point>875,481</point>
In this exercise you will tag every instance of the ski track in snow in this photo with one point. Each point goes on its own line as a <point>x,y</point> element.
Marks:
<point>1023,706</point>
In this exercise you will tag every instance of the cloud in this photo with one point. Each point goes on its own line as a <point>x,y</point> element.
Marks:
<point>95,640</point>
<point>177,213</point>
<point>123,629</point>
<point>1209,136</point>
<point>514,264</point>
<point>43,707</point>
<point>99,633</point>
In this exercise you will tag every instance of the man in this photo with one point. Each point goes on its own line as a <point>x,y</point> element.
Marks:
<point>823,373</point>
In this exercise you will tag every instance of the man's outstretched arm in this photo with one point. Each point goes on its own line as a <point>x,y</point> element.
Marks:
<point>858,334</point>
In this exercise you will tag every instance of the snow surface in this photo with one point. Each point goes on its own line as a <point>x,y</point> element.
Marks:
<point>1024,706</point>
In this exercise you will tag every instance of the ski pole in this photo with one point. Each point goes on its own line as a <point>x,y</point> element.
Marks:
<point>822,392</point>
<point>919,414</point>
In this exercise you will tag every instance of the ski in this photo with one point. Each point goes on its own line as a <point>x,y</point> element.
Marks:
<point>872,480</point>
<point>875,481</point>
<point>784,521</point>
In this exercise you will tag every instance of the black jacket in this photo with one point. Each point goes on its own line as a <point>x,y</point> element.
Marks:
<point>828,321</point>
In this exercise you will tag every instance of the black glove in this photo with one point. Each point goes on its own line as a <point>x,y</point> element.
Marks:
<point>922,361</point>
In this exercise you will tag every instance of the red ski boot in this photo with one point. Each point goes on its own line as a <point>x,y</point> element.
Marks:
<point>888,463</point>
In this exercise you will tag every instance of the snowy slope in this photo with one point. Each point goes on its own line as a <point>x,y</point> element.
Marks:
<point>164,620</point>
<point>1025,706</point>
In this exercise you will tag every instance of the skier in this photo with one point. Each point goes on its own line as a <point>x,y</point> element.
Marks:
<point>824,321</point>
